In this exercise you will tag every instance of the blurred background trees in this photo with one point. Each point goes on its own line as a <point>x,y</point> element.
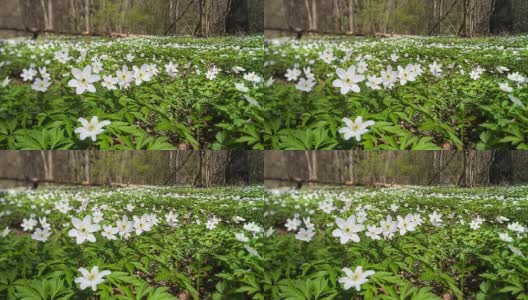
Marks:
<point>117,168</point>
<point>460,17</point>
<point>159,17</point>
<point>380,168</point>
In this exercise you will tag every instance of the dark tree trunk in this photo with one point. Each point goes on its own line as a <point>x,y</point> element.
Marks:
<point>237,171</point>
<point>237,17</point>
<point>502,19</point>
<point>501,171</point>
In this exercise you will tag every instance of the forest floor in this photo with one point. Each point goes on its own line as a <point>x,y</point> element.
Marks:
<point>131,93</point>
<point>155,243</point>
<point>415,242</point>
<point>398,93</point>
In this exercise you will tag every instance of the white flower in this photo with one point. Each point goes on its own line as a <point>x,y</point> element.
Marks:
<point>293,74</point>
<point>435,69</point>
<point>5,82</point>
<point>355,279</point>
<point>406,74</point>
<point>374,82</point>
<point>435,219</point>
<point>28,74</point>
<point>253,227</point>
<point>129,57</point>
<point>83,80</point>
<point>475,223</point>
<point>142,224</point>
<point>92,278</point>
<point>252,251</point>
<point>124,77</point>
<point>406,224</point>
<point>142,74</point>
<point>516,251</point>
<point>84,230</point>
<point>41,235</point>
<point>502,69</point>
<point>517,227</point>
<point>44,73</point>
<point>238,219</point>
<point>305,235</point>
<point>373,232</point>
<point>269,232</point>
<point>171,219</point>
<point>91,129</point>
<point>348,80</point>
<point>28,224</point>
<point>41,85</point>
<point>269,82</point>
<point>389,227</point>
<point>237,69</point>
<point>241,87</point>
<point>97,67</point>
<point>505,87</point>
<point>327,56</point>
<point>241,237</point>
<point>171,69</point>
<point>212,223</point>
<point>305,85</point>
<point>517,77</point>
<point>62,56</point>
<point>252,77</point>
<point>327,206</point>
<point>389,77</point>
<point>5,232</point>
<point>109,232</point>
<point>308,73</point>
<point>505,237</point>
<point>516,101</point>
<point>347,230</point>
<point>362,67</point>
<point>109,82</point>
<point>44,223</point>
<point>125,227</point>
<point>130,207</point>
<point>252,100</point>
<point>502,219</point>
<point>293,224</point>
<point>212,73</point>
<point>63,206</point>
<point>475,74</point>
<point>356,128</point>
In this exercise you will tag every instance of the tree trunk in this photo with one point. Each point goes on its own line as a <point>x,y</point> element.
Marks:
<point>87,16</point>
<point>351,16</point>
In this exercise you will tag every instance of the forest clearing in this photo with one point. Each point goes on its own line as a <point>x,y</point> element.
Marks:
<point>402,93</point>
<point>151,93</point>
<point>396,243</point>
<point>131,243</point>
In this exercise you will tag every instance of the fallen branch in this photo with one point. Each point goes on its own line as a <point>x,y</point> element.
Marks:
<point>300,32</point>
<point>299,182</point>
<point>443,18</point>
<point>36,32</point>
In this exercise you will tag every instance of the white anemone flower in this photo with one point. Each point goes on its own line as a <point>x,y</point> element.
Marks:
<point>348,80</point>
<point>83,230</point>
<point>41,85</point>
<point>356,278</point>
<point>355,128</point>
<point>84,80</point>
<point>91,278</point>
<point>41,235</point>
<point>91,129</point>
<point>348,230</point>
